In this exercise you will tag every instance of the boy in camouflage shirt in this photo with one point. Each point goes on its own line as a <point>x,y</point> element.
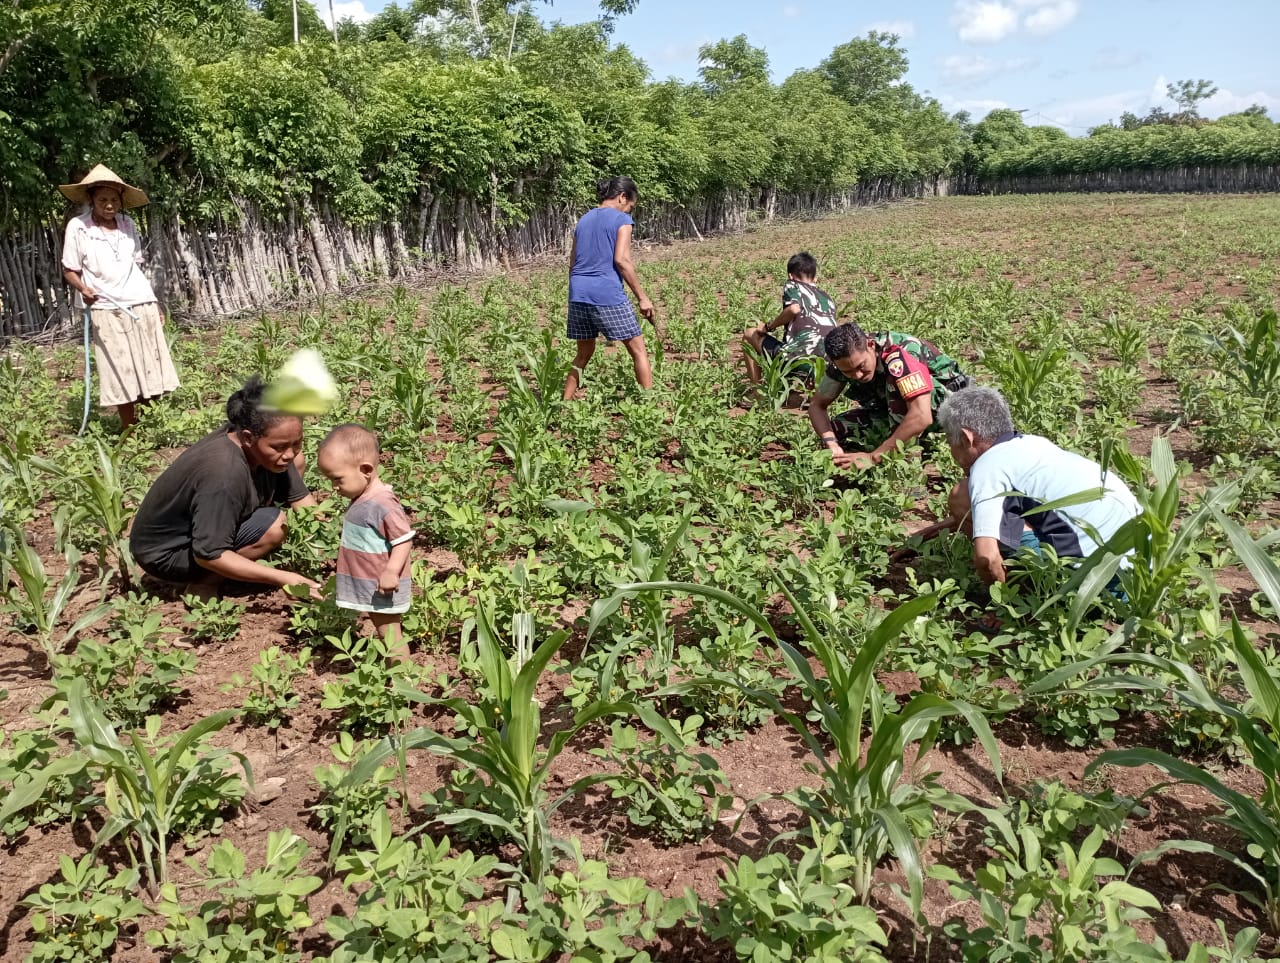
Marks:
<point>898,381</point>
<point>808,313</point>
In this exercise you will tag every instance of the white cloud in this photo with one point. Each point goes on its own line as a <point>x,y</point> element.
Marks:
<point>984,21</point>
<point>342,9</point>
<point>1084,112</point>
<point>1113,58</point>
<point>990,21</point>
<point>1051,17</point>
<point>791,10</point>
<point>906,29</point>
<point>965,69</point>
<point>1226,102</point>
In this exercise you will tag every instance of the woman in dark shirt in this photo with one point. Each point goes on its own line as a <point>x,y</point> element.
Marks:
<point>216,511</point>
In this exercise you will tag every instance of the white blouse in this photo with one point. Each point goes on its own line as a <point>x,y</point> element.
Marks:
<point>111,261</point>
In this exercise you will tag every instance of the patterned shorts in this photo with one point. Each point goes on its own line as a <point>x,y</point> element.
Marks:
<point>617,322</point>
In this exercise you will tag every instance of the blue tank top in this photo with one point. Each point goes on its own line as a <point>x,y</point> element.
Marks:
<point>594,279</point>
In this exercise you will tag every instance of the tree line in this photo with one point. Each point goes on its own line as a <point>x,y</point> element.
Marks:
<point>1003,146</point>
<point>210,103</point>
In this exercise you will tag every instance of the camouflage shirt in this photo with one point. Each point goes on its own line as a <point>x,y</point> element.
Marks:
<point>804,333</point>
<point>906,367</point>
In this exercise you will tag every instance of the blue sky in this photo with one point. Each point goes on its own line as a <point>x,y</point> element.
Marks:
<point>1073,63</point>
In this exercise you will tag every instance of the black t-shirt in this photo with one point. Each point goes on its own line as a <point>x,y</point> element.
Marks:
<point>198,502</point>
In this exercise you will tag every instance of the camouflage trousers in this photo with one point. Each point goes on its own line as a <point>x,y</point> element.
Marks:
<point>862,429</point>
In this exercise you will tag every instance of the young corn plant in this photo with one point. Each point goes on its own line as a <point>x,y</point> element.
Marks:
<point>1042,386</point>
<point>502,731</point>
<point>1256,724</point>
<point>781,376</point>
<point>550,370</point>
<point>36,602</point>
<point>97,500</point>
<point>1162,548</point>
<point>866,789</point>
<point>151,789</point>
<point>416,404</point>
<point>1235,408</point>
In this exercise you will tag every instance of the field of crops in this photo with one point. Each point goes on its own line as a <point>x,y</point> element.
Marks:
<point>675,692</point>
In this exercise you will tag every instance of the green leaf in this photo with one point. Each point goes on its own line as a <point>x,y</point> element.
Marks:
<point>30,790</point>
<point>1264,571</point>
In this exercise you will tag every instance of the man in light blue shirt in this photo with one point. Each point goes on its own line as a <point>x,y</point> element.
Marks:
<point>1009,474</point>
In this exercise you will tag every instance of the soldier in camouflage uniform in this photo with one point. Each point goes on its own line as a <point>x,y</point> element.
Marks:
<point>808,313</point>
<point>898,380</point>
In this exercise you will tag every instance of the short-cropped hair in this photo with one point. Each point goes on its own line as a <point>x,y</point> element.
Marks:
<point>355,441</point>
<point>803,265</point>
<point>982,411</point>
<point>844,340</point>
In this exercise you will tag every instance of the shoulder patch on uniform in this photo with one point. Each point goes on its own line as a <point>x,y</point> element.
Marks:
<point>912,385</point>
<point>896,366</point>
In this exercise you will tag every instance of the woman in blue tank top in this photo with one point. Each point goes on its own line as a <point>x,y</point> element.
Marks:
<point>600,263</point>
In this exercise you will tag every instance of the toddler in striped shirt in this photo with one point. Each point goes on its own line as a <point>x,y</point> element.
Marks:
<point>373,558</point>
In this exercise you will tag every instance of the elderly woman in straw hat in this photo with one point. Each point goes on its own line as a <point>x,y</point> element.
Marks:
<point>102,261</point>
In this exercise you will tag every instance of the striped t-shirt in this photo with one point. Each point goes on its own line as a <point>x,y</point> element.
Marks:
<point>373,524</point>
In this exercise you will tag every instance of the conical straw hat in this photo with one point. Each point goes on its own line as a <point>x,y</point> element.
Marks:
<point>130,196</point>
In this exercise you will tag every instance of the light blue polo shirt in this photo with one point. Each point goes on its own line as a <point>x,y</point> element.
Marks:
<point>1021,472</point>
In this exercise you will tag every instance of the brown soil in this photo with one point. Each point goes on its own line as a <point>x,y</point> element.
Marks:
<point>770,760</point>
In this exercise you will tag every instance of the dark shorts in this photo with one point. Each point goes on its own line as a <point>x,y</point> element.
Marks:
<point>181,565</point>
<point>617,322</point>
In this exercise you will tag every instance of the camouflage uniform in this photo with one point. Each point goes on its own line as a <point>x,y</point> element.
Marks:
<point>906,367</point>
<point>803,335</point>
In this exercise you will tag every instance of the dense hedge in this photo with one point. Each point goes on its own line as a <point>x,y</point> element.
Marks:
<point>1226,143</point>
<point>209,105</point>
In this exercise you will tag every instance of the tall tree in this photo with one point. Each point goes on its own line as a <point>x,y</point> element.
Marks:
<point>862,70</point>
<point>726,64</point>
<point>1188,95</point>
